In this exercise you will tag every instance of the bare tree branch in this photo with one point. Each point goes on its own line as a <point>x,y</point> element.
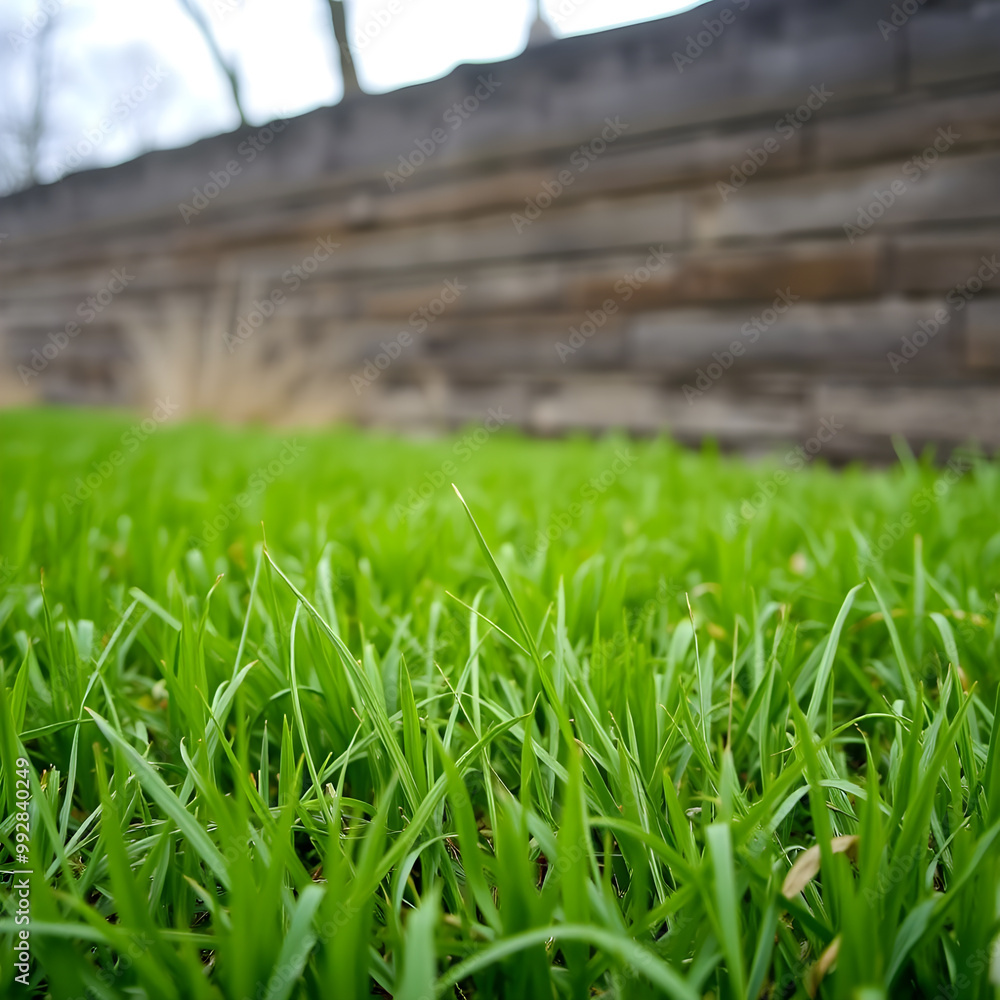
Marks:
<point>198,16</point>
<point>540,30</point>
<point>24,132</point>
<point>339,18</point>
<point>35,129</point>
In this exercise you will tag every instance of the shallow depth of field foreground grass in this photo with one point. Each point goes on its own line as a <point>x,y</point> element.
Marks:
<point>385,754</point>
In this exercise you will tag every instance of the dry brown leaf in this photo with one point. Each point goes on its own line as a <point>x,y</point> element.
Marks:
<point>823,963</point>
<point>806,864</point>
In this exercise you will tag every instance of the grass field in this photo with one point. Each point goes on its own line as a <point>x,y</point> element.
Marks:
<point>671,725</point>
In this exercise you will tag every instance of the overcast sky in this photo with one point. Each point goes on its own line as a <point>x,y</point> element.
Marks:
<point>283,50</point>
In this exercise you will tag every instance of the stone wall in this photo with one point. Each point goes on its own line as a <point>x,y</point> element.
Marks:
<point>740,221</point>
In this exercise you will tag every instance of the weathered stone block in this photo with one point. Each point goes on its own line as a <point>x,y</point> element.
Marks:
<point>791,334</point>
<point>983,333</point>
<point>900,128</point>
<point>953,44</point>
<point>857,203</point>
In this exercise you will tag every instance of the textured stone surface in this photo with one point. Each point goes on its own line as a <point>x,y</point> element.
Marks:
<point>805,334</point>
<point>532,266</point>
<point>953,42</point>
<point>983,333</point>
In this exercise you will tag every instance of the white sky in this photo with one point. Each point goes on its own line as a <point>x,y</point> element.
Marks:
<point>283,50</point>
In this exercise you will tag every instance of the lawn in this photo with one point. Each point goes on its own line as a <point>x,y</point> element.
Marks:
<point>282,715</point>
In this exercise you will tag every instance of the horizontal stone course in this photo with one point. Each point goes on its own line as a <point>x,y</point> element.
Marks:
<point>983,333</point>
<point>792,333</point>
<point>953,42</point>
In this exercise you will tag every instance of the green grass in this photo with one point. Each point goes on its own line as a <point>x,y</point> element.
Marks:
<point>700,741</point>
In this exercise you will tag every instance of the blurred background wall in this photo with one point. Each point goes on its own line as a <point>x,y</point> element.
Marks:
<point>759,220</point>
